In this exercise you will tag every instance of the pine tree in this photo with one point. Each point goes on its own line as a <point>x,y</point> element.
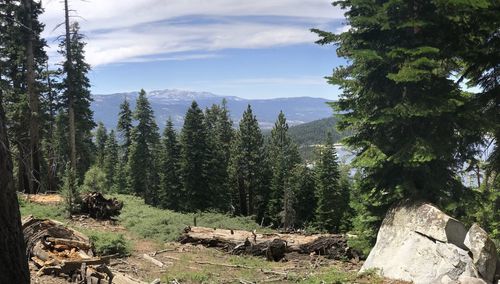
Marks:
<point>120,178</point>
<point>248,176</point>
<point>124,127</point>
<point>76,100</point>
<point>303,185</point>
<point>111,160</point>
<point>194,158</point>
<point>22,55</point>
<point>331,204</point>
<point>400,99</point>
<point>284,156</point>
<point>101,136</point>
<point>170,194</point>
<point>220,133</point>
<point>36,59</point>
<point>142,176</point>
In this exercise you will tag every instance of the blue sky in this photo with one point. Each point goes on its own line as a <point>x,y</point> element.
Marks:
<point>250,49</point>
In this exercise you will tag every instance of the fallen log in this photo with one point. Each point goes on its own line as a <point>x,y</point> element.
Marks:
<point>99,207</point>
<point>273,246</point>
<point>153,260</point>
<point>121,278</point>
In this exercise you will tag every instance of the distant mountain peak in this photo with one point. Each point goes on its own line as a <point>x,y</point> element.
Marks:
<point>174,103</point>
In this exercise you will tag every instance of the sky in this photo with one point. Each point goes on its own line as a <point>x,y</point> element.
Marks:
<point>251,49</point>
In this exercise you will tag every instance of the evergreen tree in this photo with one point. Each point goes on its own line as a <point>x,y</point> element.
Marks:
<point>142,163</point>
<point>220,133</point>
<point>36,59</point>
<point>331,202</point>
<point>248,177</point>
<point>125,126</point>
<point>401,102</point>
<point>101,136</point>
<point>194,160</point>
<point>284,156</point>
<point>170,194</point>
<point>120,178</point>
<point>303,185</point>
<point>111,159</point>
<point>22,57</point>
<point>76,97</point>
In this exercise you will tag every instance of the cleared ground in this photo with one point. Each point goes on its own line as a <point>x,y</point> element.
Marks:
<point>188,263</point>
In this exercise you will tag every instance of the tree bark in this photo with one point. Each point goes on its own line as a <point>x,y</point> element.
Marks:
<point>34,167</point>
<point>71,109</point>
<point>14,264</point>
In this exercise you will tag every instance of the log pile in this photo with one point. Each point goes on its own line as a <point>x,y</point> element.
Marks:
<point>272,246</point>
<point>56,249</point>
<point>98,207</point>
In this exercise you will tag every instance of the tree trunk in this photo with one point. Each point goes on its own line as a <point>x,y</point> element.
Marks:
<point>34,173</point>
<point>71,109</point>
<point>51,159</point>
<point>14,264</point>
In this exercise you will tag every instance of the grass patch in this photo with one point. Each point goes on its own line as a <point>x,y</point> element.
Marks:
<point>336,276</point>
<point>42,211</point>
<point>166,225</point>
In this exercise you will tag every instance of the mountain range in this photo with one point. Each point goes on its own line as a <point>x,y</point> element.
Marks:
<point>174,104</point>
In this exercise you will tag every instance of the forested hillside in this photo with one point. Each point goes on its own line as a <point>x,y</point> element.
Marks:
<point>315,132</point>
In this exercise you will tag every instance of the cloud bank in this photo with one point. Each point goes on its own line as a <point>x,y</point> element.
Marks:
<point>121,31</point>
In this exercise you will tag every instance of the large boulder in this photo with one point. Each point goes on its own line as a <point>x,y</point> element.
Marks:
<point>417,242</point>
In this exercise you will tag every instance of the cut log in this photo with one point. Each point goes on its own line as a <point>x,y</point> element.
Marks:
<point>97,206</point>
<point>272,246</point>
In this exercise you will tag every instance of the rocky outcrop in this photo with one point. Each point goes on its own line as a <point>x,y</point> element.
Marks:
<point>417,242</point>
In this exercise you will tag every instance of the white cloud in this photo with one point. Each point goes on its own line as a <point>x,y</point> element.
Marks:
<point>130,30</point>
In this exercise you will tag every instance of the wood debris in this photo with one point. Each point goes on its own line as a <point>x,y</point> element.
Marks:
<point>61,251</point>
<point>272,246</point>
<point>97,206</point>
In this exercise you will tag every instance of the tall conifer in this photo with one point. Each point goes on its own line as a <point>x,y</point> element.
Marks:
<point>284,156</point>
<point>194,156</point>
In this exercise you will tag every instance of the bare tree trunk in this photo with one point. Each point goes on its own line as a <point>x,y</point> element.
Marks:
<point>34,167</point>
<point>14,264</point>
<point>71,110</point>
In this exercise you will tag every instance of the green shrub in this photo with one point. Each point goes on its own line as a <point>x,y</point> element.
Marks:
<point>95,180</point>
<point>106,243</point>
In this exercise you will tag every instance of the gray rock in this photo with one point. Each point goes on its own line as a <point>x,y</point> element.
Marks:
<point>483,252</point>
<point>419,243</point>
